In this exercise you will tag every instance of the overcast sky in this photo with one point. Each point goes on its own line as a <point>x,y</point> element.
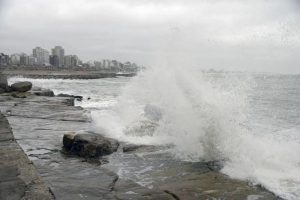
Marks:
<point>252,35</point>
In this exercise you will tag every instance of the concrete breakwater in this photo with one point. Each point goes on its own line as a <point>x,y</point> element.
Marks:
<point>39,124</point>
<point>65,74</point>
<point>19,178</point>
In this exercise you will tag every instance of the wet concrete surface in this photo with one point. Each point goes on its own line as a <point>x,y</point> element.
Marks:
<point>39,124</point>
<point>19,178</point>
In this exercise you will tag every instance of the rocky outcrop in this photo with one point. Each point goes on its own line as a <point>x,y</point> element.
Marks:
<point>89,145</point>
<point>134,147</point>
<point>77,97</point>
<point>44,92</point>
<point>3,83</point>
<point>22,86</point>
<point>2,90</point>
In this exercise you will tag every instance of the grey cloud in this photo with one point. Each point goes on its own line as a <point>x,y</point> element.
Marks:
<point>254,35</point>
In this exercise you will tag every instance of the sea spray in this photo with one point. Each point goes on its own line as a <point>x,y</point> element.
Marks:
<point>205,117</point>
<point>195,113</point>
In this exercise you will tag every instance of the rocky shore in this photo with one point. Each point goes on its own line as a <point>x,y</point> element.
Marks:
<point>74,163</point>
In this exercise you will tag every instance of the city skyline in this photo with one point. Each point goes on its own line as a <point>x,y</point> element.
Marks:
<point>50,51</point>
<point>42,58</point>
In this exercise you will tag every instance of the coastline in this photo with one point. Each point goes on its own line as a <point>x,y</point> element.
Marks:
<point>39,123</point>
<point>64,74</point>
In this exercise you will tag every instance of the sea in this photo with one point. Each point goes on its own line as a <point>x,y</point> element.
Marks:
<point>247,122</point>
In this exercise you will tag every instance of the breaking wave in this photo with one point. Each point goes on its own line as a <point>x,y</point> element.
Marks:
<point>204,117</point>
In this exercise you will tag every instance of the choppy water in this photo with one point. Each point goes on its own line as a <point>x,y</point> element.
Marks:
<point>249,122</point>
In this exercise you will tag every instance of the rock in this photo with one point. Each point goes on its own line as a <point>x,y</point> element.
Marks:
<point>89,145</point>
<point>2,90</point>
<point>134,147</point>
<point>3,81</point>
<point>22,86</point>
<point>68,140</point>
<point>64,95</point>
<point>44,92</point>
<point>8,89</point>
<point>77,97</point>
<point>19,95</point>
<point>70,102</point>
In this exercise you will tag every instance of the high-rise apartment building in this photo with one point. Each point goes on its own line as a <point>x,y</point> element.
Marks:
<point>24,59</point>
<point>71,61</point>
<point>15,59</point>
<point>4,59</point>
<point>60,53</point>
<point>42,56</point>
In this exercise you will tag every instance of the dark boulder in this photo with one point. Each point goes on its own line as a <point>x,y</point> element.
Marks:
<point>8,89</point>
<point>68,140</point>
<point>3,81</point>
<point>22,86</point>
<point>89,145</point>
<point>64,95</point>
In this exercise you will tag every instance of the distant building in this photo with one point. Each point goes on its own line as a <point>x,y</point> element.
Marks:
<point>32,60</point>
<point>4,59</point>
<point>91,63</point>
<point>130,67</point>
<point>68,61</point>
<point>106,63</point>
<point>15,59</point>
<point>71,61</point>
<point>41,55</point>
<point>60,53</point>
<point>98,64</point>
<point>54,60</point>
<point>24,59</point>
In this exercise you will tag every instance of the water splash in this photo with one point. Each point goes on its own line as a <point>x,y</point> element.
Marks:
<point>205,117</point>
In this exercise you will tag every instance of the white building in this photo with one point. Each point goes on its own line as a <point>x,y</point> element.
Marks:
<point>41,55</point>
<point>71,61</point>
